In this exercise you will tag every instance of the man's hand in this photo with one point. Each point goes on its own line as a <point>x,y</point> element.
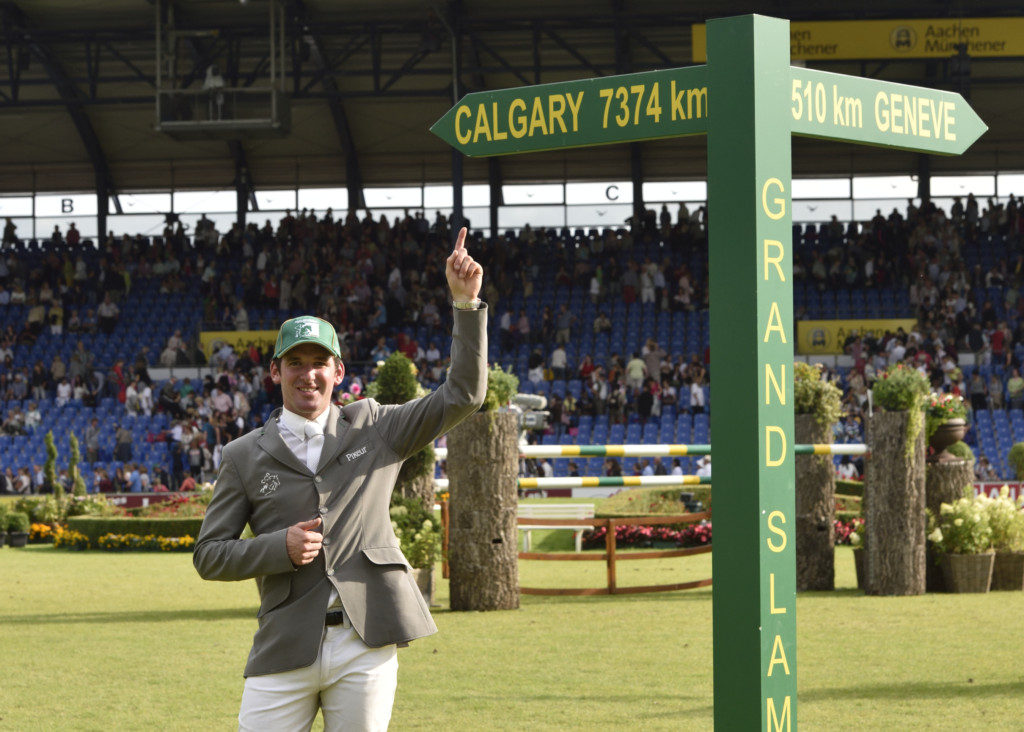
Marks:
<point>463,273</point>
<point>304,543</point>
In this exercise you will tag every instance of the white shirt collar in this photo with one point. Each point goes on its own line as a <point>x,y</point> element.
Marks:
<point>296,423</point>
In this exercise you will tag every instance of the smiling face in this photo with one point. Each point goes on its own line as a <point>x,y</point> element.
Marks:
<point>308,374</point>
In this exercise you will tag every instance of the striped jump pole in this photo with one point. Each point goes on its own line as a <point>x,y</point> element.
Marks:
<point>618,481</point>
<point>568,451</point>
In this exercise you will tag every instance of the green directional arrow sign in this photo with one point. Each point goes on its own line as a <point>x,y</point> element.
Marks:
<point>854,109</point>
<point>626,108</point>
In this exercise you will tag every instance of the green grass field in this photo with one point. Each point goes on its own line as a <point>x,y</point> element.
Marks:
<point>100,641</point>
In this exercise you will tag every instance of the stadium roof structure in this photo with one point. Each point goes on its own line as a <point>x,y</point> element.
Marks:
<point>367,78</point>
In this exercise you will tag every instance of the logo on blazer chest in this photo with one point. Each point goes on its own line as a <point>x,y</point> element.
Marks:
<point>270,483</point>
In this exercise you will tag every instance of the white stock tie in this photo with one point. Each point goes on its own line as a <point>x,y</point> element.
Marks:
<point>315,444</point>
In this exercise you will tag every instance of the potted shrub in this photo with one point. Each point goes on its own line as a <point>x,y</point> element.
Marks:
<point>17,528</point>
<point>1006,518</point>
<point>945,423</point>
<point>419,537</point>
<point>3,524</point>
<point>962,537</point>
<point>1015,459</point>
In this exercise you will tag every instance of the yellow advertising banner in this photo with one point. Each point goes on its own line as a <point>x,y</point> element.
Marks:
<point>237,339</point>
<point>839,40</point>
<point>819,337</point>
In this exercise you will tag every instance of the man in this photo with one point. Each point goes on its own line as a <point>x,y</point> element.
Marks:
<point>337,596</point>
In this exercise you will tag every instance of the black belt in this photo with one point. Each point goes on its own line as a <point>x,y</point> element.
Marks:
<point>334,617</point>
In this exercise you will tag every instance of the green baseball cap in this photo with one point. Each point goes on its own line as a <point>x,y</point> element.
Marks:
<point>306,329</point>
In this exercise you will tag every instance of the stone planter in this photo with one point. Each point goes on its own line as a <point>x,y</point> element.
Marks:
<point>1008,571</point>
<point>945,435</point>
<point>425,581</point>
<point>17,538</point>
<point>968,572</point>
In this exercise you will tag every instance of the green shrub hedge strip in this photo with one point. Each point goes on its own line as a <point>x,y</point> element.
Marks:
<point>96,526</point>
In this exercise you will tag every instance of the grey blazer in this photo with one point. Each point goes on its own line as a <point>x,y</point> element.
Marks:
<point>262,483</point>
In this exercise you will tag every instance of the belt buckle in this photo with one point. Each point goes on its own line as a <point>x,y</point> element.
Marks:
<point>334,617</point>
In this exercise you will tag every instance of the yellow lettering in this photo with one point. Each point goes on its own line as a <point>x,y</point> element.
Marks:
<point>517,123</point>
<point>773,721</point>
<point>912,114</point>
<point>498,134</point>
<point>776,260</point>
<point>575,110</point>
<point>459,113</point>
<point>922,118</point>
<point>769,461</point>
<point>778,656</point>
<point>677,101</point>
<point>896,103</point>
<point>950,120</point>
<point>701,96</point>
<point>882,112</point>
<point>776,385</point>
<point>556,108</point>
<point>483,127</point>
<point>775,323</point>
<point>780,203</point>
<point>537,118</point>
<point>781,517</point>
<point>771,604</point>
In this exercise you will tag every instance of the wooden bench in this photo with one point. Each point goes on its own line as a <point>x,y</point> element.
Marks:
<point>554,511</point>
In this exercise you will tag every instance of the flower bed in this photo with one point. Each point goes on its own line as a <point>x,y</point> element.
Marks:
<point>645,536</point>
<point>845,530</point>
<point>134,542</point>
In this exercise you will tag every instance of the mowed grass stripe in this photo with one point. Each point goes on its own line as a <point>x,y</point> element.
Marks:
<point>99,641</point>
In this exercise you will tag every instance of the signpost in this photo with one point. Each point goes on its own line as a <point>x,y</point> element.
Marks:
<point>749,101</point>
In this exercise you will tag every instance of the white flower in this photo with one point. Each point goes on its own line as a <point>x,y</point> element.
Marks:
<point>958,522</point>
<point>936,535</point>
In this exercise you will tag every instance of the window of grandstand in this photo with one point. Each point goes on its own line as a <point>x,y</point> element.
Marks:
<point>321,199</point>
<point>689,190</point>
<point>531,194</point>
<point>378,198</point>
<point>612,192</point>
<point>1008,184</point>
<point>821,188</point>
<point>961,185</point>
<point>279,200</point>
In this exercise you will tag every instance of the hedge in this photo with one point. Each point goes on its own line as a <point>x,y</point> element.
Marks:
<point>850,487</point>
<point>96,526</point>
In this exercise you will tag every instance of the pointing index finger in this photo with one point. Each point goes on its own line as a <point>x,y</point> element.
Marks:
<point>460,242</point>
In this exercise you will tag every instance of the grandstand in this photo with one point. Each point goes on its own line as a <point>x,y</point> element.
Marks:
<point>101,165</point>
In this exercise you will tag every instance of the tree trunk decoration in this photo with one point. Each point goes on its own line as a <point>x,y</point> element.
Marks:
<point>483,464</point>
<point>421,488</point>
<point>815,509</point>
<point>894,515</point>
<point>943,483</point>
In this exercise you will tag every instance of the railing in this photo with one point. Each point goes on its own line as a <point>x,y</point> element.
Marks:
<point>610,556</point>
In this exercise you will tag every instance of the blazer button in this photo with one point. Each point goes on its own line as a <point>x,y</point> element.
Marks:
<point>322,511</point>
<point>326,541</point>
<point>319,479</point>
<point>330,572</point>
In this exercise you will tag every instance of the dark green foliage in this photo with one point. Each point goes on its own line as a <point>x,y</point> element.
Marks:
<point>501,387</point>
<point>17,522</point>
<point>96,526</point>
<point>961,450</point>
<point>77,481</point>
<point>1016,459</point>
<point>396,380</point>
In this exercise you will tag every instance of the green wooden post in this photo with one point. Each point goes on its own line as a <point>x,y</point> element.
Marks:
<point>754,561</point>
<point>749,101</point>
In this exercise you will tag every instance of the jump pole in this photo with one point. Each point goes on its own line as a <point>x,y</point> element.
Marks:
<point>749,101</point>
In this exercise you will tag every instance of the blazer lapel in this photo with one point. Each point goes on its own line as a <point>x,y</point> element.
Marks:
<point>271,441</point>
<point>334,435</point>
